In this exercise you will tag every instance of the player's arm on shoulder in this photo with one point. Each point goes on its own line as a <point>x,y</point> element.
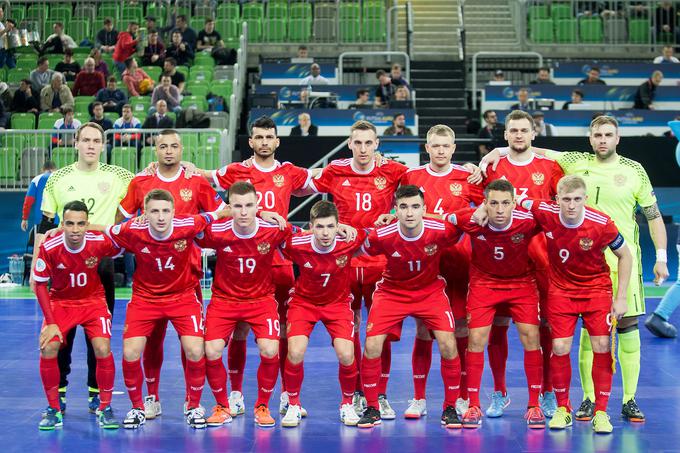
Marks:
<point>370,246</point>
<point>657,231</point>
<point>304,188</point>
<point>346,231</point>
<point>274,218</point>
<point>476,176</point>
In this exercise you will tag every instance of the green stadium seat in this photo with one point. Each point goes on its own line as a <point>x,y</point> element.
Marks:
<point>278,10</point>
<point>184,70</point>
<point>300,11</point>
<point>16,140</point>
<point>639,31</point>
<point>566,31</point>
<point>79,29</point>
<point>153,71</point>
<point>184,11</point>
<point>16,75</point>
<point>131,13</point>
<point>41,141</point>
<point>83,117</point>
<point>254,30</point>
<point>300,30</point>
<point>350,30</point>
<point>47,120</point>
<point>124,156</point>
<point>113,116</point>
<point>561,11</point>
<point>60,13</point>
<point>590,30</point>
<point>147,156</point>
<point>229,29</point>
<point>198,102</point>
<point>222,88</point>
<point>253,11</point>
<point>85,11</point>
<point>210,139</point>
<point>541,30</point>
<point>82,103</point>
<point>228,11</point>
<point>63,156</point>
<point>140,105</point>
<point>374,29</point>
<point>22,121</point>
<point>197,23</point>
<point>37,12</point>
<point>206,157</point>
<point>275,29</point>
<point>374,10</point>
<point>160,12</point>
<point>16,12</point>
<point>110,10</point>
<point>349,10</point>
<point>539,12</point>
<point>200,74</point>
<point>203,11</point>
<point>9,165</point>
<point>204,59</point>
<point>190,140</point>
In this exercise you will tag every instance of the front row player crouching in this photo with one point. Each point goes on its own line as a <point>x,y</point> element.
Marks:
<point>411,286</point>
<point>69,261</point>
<point>322,293</point>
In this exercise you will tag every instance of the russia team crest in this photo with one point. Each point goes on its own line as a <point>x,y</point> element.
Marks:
<point>278,180</point>
<point>456,189</point>
<point>517,238</point>
<point>538,178</point>
<point>380,182</point>
<point>185,194</point>
<point>341,261</point>
<point>91,262</point>
<point>263,248</point>
<point>181,245</point>
<point>585,243</point>
<point>430,249</point>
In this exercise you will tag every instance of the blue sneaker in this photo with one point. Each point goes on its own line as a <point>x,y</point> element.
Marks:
<point>93,404</point>
<point>107,420</point>
<point>498,403</point>
<point>53,419</point>
<point>548,403</point>
<point>62,405</point>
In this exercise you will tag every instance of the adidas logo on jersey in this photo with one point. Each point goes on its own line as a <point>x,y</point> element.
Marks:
<point>481,237</point>
<point>307,265</point>
<point>145,250</point>
<point>346,183</point>
<point>61,266</point>
<point>549,235</point>
<point>227,249</point>
<point>396,255</point>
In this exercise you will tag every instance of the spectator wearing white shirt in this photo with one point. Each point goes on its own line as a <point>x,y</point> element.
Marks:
<point>667,56</point>
<point>315,78</point>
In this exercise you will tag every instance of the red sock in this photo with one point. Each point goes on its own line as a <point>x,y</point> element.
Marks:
<point>295,374</point>
<point>560,368</point>
<point>385,366</point>
<point>533,368</point>
<point>196,378</point>
<point>546,347</point>
<point>498,356</point>
<point>152,359</point>
<point>217,379</point>
<point>357,358</point>
<point>134,379</point>
<point>421,360</point>
<point>461,345</point>
<point>49,374</point>
<point>602,379</point>
<point>183,357</point>
<point>236,361</point>
<point>450,369</point>
<point>474,361</point>
<point>106,376</point>
<point>370,377</point>
<point>283,356</point>
<point>347,374</point>
<point>267,374</point>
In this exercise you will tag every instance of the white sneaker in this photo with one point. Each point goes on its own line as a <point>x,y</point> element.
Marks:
<point>462,406</point>
<point>416,409</point>
<point>134,419</point>
<point>152,408</point>
<point>386,411</point>
<point>185,408</point>
<point>359,402</point>
<point>348,415</point>
<point>283,405</point>
<point>236,404</point>
<point>293,417</point>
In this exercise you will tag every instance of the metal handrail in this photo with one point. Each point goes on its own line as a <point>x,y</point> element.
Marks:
<point>407,59</point>
<point>461,31</point>
<point>496,54</point>
<point>393,26</point>
<point>409,29</point>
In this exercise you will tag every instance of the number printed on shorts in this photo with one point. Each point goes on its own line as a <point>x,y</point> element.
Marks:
<point>198,324</point>
<point>364,201</point>
<point>274,324</point>
<point>246,264</point>
<point>564,255</point>
<point>78,279</point>
<point>106,325</point>
<point>266,200</point>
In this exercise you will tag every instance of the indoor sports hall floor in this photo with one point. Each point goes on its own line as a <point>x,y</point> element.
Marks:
<point>22,400</point>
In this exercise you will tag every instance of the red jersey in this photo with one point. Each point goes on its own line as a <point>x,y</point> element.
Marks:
<point>244,263</point>
<point>500,258</point>
<point>412,263</point>
<point>324,275</point>
<point>444,192</point>
<point>536,178</point>
<point>576,252</point>
<point>73,275</point>
<point>192,196</point>
<point>163,264</point>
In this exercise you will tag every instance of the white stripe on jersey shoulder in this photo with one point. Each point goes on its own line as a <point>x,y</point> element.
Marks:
<point>595,218</point>
<point>264,224</point>
<point>420,167</point>
<point>595,214</point>
<point>538,156</point>
<point>301,240</point>
<point>54,242</point>
<point>434,224</point>
<point>341,162</point>
<point>222,226</point>
<point>140,226</point>
<point>94,236</point>
<point>188,221</point>
<point>387,230</point>
<point>522,214</point>
<point>460,168</point>
<point>543,206</point>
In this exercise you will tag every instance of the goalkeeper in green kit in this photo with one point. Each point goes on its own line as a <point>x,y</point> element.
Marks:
<point>616,186</point>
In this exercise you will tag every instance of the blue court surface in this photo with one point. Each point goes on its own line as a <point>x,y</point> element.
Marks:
<point>22,400</point>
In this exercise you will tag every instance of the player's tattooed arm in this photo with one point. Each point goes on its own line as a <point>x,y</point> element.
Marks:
<point>651,212</point>
<point>657,230</point>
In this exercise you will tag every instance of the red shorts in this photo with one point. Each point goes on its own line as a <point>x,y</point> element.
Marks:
<point>391,307</point>
<point>363,283</point>
<point>564,311</point>
<point>483,302</point>
<point>93,315</point>
<point>261,314</point>
<point>455,268</point>
<point>338,318</point>
<point>184,311</point>
<point>538,252</point>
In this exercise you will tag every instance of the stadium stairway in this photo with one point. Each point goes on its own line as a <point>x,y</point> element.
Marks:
<point>489,26</point>
<point>434,37</point>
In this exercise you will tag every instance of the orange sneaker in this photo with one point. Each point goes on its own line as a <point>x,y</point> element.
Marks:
<point>219,417</point>
<point>263,417</point>
<point>535,418</point>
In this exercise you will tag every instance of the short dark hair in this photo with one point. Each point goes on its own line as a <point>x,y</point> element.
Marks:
<point>500,185</point>
<point>263,122</point>
<point>486,113</point>
<point>12,21</point>
<point>96,104</point>
<point>112,79</point>
<point>519,115</point>
<point>595,68</point>
<point>26,81</point>
<point>379,73</point>
<point>579,92</point>
<point>128,63</point>
<point>158,194</point>
<point>408,190</point>
<point>182,17</point>
<point>544,68</point>
<point>74,205</point>
<point>208,20</point>
<point>362,91</point>
<point>49,165</point>
<point>169,132</point>
<point>134,22</point>
<point>41,60</point>
<point>171,60</point>
<point>397,115</point>
<point>176,32</point>
<point>153,31</point>
<point>58,24</point>
<point>321,209</point>
<point>108,21</point>
<point>66,110</point>
<point>302,47</point>
<point>242,188</point>
<point>126,106</point>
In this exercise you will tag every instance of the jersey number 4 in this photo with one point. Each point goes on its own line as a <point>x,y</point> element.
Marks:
<point>168,264</point>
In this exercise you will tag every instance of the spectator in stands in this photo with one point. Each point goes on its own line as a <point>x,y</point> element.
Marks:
<point>385,91</point>
<point>302,52</point>
<point>57,42</point>
<point>68,67</point>
<point>362,100</point>
<point>542,128</point>
<point>56,96</point>
<point>127,121</point>
<point>498,76</point>
<point>4,115</point>
<point>167,92</point>
<point>305,128</point>
<point>576,98</point>
<point>5,95</point>
<point>522,100</point>
<point>8,38</point>
<point>107,37</point>
<point>158,119</point>
<point>111,97</point>
<point>398,126</point>
<point>162,31</point>
<point>208,38</point>
<point>644,96</point>
<point>154,52</point>
<point>24,100</point>
<point>170,68</point>
<point>136,80</point>
<point>396,76</point>
<point>543,77</point>
<point>41,75</point>
<point>68,122</point>
<point>314,77</point>
<point>666,56</point>
<point>402,94</point>
<point>593,78</point>
<point>180,50</point>
<point>88,81</point>
<point>126,46</point>
<point>98,116</point>
<point>490,130</point>
<point>665,22</point>
<point>99,64</point>
<point>188,34</point>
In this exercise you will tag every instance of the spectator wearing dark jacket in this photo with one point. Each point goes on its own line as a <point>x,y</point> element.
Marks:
<point>179,50</point>
<point>154,52</point>
<point>24,100</point>
<point>107,37</point>
<point>111,97</point>
<point>644,97</point>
